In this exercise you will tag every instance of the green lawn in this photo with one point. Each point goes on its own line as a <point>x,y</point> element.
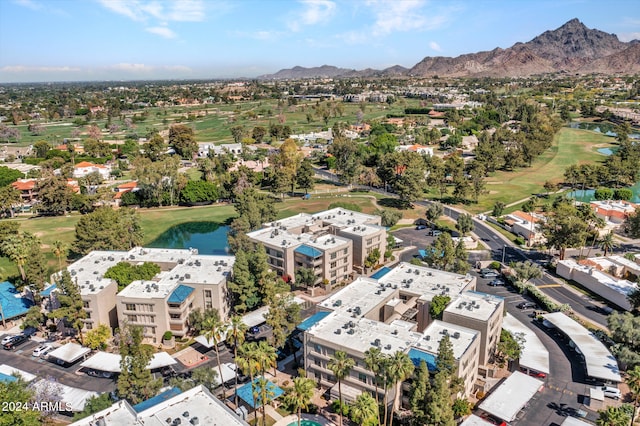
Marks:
<point>570,146</point>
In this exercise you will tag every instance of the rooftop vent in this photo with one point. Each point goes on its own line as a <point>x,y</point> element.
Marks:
<point>456,335</point>
<point>185,414</point>
<point>409,270</point>
<point>394,332</point>
<point>187,276</point>
<point>338,331</point>
<point>376,342</point>
<point>351,331</point>
<point>427,338</point>
<point>337,303</point>
<point>387,347</point>
<point>416,272</point>
<point>194,421</point>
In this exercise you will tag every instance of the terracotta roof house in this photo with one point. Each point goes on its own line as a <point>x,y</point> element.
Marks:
<point>84,168</point>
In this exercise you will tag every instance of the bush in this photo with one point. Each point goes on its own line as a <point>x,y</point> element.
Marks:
<point>167,335</point>
<point>335,405</point>
<point>311,409</point>
<point>519,241</point>
<point>495,265</point>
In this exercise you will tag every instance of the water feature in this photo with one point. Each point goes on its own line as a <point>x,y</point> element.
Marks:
<point>607,151</point>
<point>207,237</point>
<point>587,195</point>
<point>604,128</point>
<point>305,422</point>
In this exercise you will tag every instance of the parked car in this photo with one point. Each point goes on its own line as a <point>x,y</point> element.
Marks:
<point>490,274</point>
<point>42,350</point>
<point>420,227</point>
<point>16,341</point>
<point>526,305</point>
<point>435,232</point>
<point>8,338</point>
<point>496,283</point>
<point>611,392</point>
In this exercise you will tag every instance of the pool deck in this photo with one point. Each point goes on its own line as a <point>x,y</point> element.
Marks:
<point>293,418</point>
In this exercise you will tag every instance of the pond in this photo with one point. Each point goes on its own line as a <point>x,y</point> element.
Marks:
<point>607,151</point>
<point>587,195</point>
<point>604,128</point>
<point>207,237</point>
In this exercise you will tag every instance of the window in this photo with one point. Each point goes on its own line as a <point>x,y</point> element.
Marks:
<point>85,304</point>
<point>174,316</point>
<point>88,325</point>
<point>333,265</point>
<point>344,251</point>
<point>333,274</point>
<point>333,255</point>
<point>130,307</point>
<point>132,318</point>
<point>207,294</point>
<point>362,377</point>
<point>208,305</point>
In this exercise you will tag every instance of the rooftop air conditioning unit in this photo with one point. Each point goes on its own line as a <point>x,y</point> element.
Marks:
<point>456,335</point>
<point>394,332</point>
<point>376,342</point>
<point>409,270</point>
<point>338,331</point>
<point>387,347</point>
<point>351,331</point>
<point>187,276</point>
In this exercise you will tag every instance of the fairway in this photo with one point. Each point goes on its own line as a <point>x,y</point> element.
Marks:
<point>570,146</point>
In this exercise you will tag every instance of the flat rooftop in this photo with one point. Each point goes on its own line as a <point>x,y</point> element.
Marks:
<point>88,271</point>
<point>621,286</point>
<point>511,396</point>
<point>461,338</point>
<point>275,237</point>
<point>427,282</point>
<point>361,230</point>
<point>203,269</point>
<point>148,289</point>
<point>600,363</point>
<point>363,293</point>
<point>295,221</point>
<point>342,217</point>
<point>534,353</point>
<point>475,305</point>
<point>360,334</point>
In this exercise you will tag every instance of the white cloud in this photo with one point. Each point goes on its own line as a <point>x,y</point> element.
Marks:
<point>435,46</point>
<point>23,68</point>
<point>629,36</point>
<point>158,12</point>
<point>29,4</point>
<point>315,12</point>
<point>161,31</point>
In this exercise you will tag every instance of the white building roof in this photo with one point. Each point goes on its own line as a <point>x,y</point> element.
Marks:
<point>88,271</point>
<point>70,352</point>
<point>342,217</point>
<point>363,293</point>
<point>511,396</point>
<point>10,371</point>
<point>76,398</point>
<point>256,317</point>
<point>228,373</point>
<point>475,305</point>
<point>572,421</point>
<point>360,334</point>
<point>196,402</point>
<point>438,329</point>
<point>150,289</point>
<point>600,363</point>
<point>534,354</point>
<point>474,420</point>
<point>427,282</point>
<point>621,286</point>
<point>204,269</point>
<point>275,237</point>
<point>104,361</point>
<point>294,221</point>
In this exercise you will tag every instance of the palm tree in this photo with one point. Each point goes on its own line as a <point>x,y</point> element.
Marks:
<point>373,360</point>
<point>634,385</point>
<point>247,360</point>
<point>364,409</point>
<point>400,369</point>
<point>266,393</point>
<point>300,394</point>
<point>608,243</point>
<point>340,365</point>
<point>613,416</point>
<point>236,335</point>
<point>59,250</point>
<point>17,247</point>
<point>215,332</point>
<point>267,357</point>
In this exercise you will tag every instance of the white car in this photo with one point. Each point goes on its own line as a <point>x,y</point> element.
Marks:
<point>6,339</point>
<point>41,350</point>
<point>611,392</point>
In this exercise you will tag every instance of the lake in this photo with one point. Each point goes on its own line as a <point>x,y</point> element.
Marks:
<point>207,237</point>
<point>587,195</point>
<point>604,128</point>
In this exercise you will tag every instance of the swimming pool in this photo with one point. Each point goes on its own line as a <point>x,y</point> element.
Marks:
<point>305,422</point>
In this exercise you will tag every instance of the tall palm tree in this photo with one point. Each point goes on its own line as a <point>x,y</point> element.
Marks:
<point>300,394</point>
<point>236,335</point>
<point>373,360</point>
<point>340,365</point>
<point>608,243</point>
<point>364,409</point>
<point>267,356</point>
<point>634,385</point>
<point>59,250</point>
<point>17,247</point>
<point>247,360</point>
<point>215,330</point>
<point>400,369</point>
<point>612,416</point>
<point>386,373</point>
<point>266,393</point>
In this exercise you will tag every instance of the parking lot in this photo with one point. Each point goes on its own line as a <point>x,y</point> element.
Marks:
<point>22,358</point>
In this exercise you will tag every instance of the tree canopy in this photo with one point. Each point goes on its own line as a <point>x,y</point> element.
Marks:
<point>108,229</point>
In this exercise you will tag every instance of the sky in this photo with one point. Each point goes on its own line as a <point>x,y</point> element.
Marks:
<point>95,40</point>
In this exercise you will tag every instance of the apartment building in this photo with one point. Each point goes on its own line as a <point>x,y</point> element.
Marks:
<point>392,314</point>
<point>187,281</point>
<point>482,312</point>
<point>613,211</point>
<point>333,243</point>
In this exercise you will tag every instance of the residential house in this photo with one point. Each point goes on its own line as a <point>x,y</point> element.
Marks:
<point>84,168</point>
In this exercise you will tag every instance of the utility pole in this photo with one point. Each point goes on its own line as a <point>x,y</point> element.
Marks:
<point>504,248</point>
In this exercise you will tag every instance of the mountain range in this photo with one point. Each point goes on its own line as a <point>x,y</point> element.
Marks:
<point>573,48</point>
